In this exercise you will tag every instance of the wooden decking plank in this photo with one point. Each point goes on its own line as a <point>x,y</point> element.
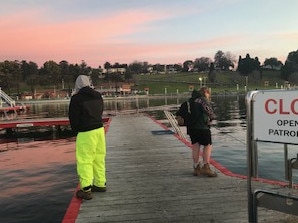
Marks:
<point>149,179</point>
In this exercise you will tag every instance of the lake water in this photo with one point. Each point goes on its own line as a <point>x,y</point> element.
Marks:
<point>38,177</point>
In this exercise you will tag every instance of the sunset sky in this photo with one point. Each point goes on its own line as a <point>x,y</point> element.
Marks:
<point>155,31</point>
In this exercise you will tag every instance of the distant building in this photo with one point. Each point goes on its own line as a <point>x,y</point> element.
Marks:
<point>274,67</point>
<point>123,89</point>
<point>114,70</point>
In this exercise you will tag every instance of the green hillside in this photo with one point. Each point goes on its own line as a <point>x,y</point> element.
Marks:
<point>225,82</point>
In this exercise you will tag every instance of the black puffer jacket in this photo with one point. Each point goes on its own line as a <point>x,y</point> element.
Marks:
<point>85,110</point>
<point>201,113</point>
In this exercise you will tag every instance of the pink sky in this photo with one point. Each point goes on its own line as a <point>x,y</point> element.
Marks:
<point>34,34</point>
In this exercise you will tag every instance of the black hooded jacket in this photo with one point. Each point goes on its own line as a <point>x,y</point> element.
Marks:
<point>85,110</point>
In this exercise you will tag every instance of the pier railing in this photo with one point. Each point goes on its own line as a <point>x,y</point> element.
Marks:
<point>8,100</point>
<point>174,123</point>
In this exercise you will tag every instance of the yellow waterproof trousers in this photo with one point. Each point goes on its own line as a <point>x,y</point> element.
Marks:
<point>90,156</point>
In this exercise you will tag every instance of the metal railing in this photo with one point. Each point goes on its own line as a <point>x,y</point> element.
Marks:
<point>8,100</point>
<point>174,124</point>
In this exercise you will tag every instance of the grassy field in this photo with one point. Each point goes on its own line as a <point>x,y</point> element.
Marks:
<point>173,83</point>
<point>225,82</point>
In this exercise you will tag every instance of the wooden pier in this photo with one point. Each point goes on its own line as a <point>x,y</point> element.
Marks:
<point>150,179</point>
<point>20,123</point>
<point>37,127</point>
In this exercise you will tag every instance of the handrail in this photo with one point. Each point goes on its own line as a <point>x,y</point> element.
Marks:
<point>7,99</point>
<point>174,123</point>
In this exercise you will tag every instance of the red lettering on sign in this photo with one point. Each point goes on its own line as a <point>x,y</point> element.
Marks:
<point>293,106</point>
<point>281,108</point>
<point>267,106</point>
<point>273,106</point>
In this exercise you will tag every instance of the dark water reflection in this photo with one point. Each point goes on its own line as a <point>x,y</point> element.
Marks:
<point>38,178</point>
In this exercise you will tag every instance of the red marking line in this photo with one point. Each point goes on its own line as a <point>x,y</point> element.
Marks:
<point>37,122</point>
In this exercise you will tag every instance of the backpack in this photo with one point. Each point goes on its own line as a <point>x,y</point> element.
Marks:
<point>183,114</point>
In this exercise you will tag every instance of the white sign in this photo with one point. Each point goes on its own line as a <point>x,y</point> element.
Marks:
<point>25,125</point>
<point>275,116</point>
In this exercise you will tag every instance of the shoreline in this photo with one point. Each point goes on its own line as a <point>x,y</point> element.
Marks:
<point>135,97</point>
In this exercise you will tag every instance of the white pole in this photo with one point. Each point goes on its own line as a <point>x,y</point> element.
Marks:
<point>200,79</point>
<point>0,97</point>
<point>137,103</point>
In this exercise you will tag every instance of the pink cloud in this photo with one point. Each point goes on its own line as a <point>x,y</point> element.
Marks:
<point>34,36</point>
<point>168,50</point>
<point>171,52</point>
<point>28,35</point>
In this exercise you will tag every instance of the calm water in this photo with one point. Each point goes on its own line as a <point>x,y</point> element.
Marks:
<point>38,178</point>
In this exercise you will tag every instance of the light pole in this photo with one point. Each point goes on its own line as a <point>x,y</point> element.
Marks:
<point>200,79</point>
<point>205,81</point>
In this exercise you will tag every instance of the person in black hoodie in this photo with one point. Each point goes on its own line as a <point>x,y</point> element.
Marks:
<point>85,116</point>
<point>199,131</point>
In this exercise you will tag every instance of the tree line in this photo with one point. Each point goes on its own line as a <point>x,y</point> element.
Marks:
<point>27,75</point>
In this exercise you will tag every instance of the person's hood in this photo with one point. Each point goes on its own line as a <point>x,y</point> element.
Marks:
<point>81,82</point>
<point>195,94</point>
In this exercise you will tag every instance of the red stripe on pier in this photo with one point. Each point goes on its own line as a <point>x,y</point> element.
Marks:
<point>37,122</point>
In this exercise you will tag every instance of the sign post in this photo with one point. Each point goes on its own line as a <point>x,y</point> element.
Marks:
<point>275,116</point>
<point>272,116</point>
